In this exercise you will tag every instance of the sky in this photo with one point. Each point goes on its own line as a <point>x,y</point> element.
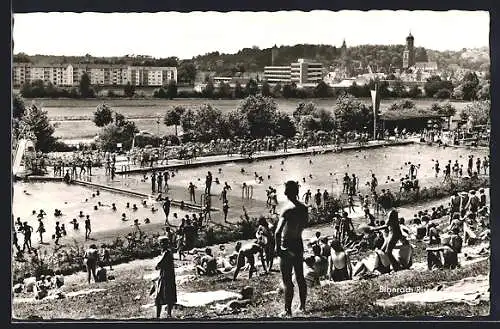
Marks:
<point>185,35</point>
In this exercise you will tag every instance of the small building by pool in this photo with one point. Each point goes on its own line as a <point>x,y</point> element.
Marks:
<point>412,120</point>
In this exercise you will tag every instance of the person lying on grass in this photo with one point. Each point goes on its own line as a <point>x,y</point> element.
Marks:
<point>379,263</point>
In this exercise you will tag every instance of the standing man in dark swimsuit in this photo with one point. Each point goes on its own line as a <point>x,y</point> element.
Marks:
<point>153,182</point>
<point>347,181</point>
<point>166,177</point>
<point>208,183</point>
<point>470,165</point>
<point>290,248</point>
<point>88,228</point>
<point>159,182</point>
<point>413,171</point>
<point>166,209</point>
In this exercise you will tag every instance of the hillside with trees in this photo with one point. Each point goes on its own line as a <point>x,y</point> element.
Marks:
<point>254,59</point>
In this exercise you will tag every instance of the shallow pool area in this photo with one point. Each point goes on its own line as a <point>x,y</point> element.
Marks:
<point>71,199</point>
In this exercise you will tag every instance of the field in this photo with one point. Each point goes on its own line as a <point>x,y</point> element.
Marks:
<point>72,116</point>
<point>84,129</point>
<point>67,108</point>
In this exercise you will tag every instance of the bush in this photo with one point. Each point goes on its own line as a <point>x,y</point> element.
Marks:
<point>174,140</point>
<point>60,146</point>
<point>143,140</point>
<point>443,94</point>
<point>188,94</point>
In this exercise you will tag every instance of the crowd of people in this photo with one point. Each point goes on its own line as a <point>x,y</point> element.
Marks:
<point>384,238</point>
<point>155,156</point>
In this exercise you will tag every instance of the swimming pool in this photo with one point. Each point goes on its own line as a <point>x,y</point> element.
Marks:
<point>326,170</point>
<point>71,199</point>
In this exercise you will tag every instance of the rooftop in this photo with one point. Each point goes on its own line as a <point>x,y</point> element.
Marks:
<point>408,114</point>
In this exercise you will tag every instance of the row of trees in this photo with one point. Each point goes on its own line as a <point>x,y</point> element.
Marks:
<point>89,59</point>
<point>469,88</point>
<point>384,56</point>
<point>41,89</point>
<point>258,117</point>
<point>255,117</point>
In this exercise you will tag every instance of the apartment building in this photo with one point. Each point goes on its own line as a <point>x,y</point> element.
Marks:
<point>100,74</point>
<point>151,76</point>
<point>59,74</point>
<point>306,72</point>
<point>278,74</point>
<point>302,72</point>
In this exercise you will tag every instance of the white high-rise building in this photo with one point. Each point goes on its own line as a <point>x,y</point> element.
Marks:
<point>302,72</point>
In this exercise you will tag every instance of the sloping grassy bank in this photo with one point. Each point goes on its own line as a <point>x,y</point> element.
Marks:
<point>125,297</point>
<point>142,245</point>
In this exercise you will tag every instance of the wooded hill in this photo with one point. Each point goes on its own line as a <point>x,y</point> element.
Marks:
<point>254,59</point>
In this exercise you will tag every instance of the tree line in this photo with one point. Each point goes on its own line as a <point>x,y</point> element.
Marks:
<point>469,88</point>
<point>255,117</point>
<point>385,57</point>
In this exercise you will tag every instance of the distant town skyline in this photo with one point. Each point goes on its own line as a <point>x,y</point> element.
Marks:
<point>186,35</point>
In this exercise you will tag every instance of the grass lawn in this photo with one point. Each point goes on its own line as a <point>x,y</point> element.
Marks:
<point>150,107</point>
<point>87,129</point>
<point>125,296</point>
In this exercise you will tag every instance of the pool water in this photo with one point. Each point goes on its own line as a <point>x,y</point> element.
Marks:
<point>326,170</point>
<point>70,199</point>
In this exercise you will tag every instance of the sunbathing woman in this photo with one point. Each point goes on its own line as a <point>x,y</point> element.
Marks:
<point>339,264</point>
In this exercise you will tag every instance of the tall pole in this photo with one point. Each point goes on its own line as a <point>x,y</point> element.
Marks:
<point>376,103</point>
<point>158,124</point>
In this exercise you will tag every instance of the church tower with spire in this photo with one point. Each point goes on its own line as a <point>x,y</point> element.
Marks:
<point>343,50</point>
<point>409,52</point>
<point>274,54</point>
